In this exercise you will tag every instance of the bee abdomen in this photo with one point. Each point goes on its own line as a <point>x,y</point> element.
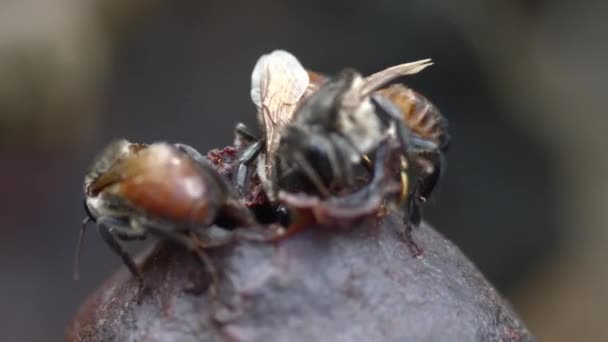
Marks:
<point>420,114</point>
<point>167,185</point>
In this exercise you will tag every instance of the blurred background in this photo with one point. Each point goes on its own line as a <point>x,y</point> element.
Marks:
<point>521,82</point>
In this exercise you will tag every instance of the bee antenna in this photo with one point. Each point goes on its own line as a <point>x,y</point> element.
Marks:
<point>79,243</point>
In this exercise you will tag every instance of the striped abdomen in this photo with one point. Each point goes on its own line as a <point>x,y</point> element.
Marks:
<point>421,116</point>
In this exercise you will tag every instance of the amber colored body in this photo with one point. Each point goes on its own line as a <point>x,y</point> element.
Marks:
<point>427,139</point>
<point>316,128</point>
<point>164,183</point>
<point>420,115</point>
<point>168,190</point>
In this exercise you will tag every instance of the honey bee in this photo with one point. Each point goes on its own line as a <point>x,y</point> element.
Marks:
<point>280,85</point>
<point>168,190</point>
<point>429,139</point>
<point>320,127</point>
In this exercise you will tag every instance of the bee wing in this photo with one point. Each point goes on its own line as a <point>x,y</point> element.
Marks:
<point>278,82</point>
<point>114,174</point>
<point>375,81</point>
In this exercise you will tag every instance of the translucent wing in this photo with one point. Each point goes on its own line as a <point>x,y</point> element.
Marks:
<point>375,81</point>
<point>278,82</point>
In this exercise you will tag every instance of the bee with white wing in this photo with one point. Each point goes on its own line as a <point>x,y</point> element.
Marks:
<point>317,129</point>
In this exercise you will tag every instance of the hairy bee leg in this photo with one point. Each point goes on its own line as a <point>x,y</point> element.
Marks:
<point>310,172</point>
<point>422,190</point>
<point>105,227</point>
<point>247,157</point>
<point>337,165</point>
<point>422,145</point>
<point>410,142</point>
<point>377,185</point>
<point>411,146</point>
<point>412,210</point>
<point>411,219</point>
<point>389,112</point>
<point>345,167</point>
<point>382,155</point>
<point>413,247</point>
<point>431,175</point>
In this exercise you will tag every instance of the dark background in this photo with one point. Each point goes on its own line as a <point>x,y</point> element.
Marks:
<point>521,85</point>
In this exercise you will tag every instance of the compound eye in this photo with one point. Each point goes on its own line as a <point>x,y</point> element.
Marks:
<point>283,216</point>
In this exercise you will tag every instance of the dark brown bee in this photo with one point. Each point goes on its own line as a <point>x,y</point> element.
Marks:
<point>280,85</point>
<point>421,116</point>
<point>320,127</point>
<point>168,190</point>
<point>428,142</point>
<point>426,124</point>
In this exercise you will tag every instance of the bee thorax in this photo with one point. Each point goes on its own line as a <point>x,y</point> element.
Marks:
<point>361,127</point>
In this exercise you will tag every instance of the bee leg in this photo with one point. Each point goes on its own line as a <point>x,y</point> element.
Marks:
<point>412,146</point>
<point>422,145</point>
<point>221,311</point>
<point>389,112</point>
<point>310,172</point>
<point>108,231</point>
<point>346,171</point>
<point>432,171</point>
<point>380,184</point>
<point>190,243</point>
<point>428,179</point>
<point>412,209</point>
<point>248,155</point>
<point>410,142</point>
<point>411,219</point>
<point>380,161</point>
